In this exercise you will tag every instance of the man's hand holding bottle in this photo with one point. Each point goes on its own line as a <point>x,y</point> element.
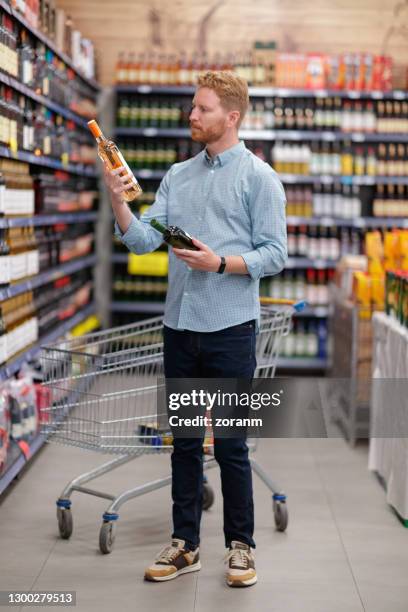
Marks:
<point>203,258</point>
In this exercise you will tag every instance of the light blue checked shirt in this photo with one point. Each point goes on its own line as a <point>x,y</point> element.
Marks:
<point>234,203</point>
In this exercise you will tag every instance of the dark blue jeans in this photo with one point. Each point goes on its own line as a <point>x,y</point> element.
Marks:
<point>228,353</point>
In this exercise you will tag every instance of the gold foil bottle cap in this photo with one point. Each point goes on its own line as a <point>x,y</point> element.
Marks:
<point>95,129</point>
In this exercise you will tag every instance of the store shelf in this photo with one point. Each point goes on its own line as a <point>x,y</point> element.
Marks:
<point>68,218</point>
<point>15,364</point>
<point>158,307</point>
<point>302,363</point>
<point>307,179</point>
<point>150,174</point>
<point>44,39</point>
<point>152,132</point>
<point>304,262</point>
<point>270,135</point>
<point>358,222</point>
<point>119,258</point>
<point>262,92</point>
<point>47,277</point>
<point>153,307</point>
<point>329,179</point>
<point>292,262</point>
<point>29,93</point>
<point>49,162</point>
<point>16,460</point>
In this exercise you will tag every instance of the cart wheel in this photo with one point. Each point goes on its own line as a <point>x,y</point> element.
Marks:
<point>280,511</point>
<point>208,497</point>
<point>65,525</point>
<point>107,537</point>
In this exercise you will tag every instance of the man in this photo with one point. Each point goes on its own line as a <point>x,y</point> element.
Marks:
<point>235,204</point>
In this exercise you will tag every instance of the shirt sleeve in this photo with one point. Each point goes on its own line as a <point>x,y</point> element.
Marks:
<point>266,203</point>
<point>141,237</point>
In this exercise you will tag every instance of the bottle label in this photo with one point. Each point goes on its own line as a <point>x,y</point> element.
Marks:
<point>5,276</point>
<point>3,348</point>
<point>18,266</point>
<point>2,199</point>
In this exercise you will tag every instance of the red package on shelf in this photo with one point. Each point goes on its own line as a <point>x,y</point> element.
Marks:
<point>43,401</point>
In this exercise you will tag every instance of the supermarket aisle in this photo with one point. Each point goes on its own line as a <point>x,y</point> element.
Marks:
<point>328,561</point>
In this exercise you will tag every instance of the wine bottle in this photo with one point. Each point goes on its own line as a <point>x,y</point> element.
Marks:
<point>109,153</point>
<point>174,236</point>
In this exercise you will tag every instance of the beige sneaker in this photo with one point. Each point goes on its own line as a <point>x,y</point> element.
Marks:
<point>173,561</point>
<point>240,562</point>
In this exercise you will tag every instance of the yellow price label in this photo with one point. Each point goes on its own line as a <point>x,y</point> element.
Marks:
<point>65,159</point>
<point>13,145</point>
<point>149,264</point>
<point>90,324</point>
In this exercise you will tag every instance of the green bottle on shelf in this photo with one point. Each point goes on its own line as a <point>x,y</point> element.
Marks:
<point>174,236</point>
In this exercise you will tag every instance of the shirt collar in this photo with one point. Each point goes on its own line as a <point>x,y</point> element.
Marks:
<point>223,158</point>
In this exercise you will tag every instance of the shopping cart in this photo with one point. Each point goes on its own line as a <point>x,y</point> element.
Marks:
<point>103,389</point>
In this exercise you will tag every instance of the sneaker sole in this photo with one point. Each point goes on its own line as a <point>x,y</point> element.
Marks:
<point>186,570</point>
<point>242,583</point>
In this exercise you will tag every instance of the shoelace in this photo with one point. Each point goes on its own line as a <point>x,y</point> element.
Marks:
<point>167,554</point>
<point>238,557</point>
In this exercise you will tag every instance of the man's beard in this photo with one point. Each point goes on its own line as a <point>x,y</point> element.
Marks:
<point>209,135</point>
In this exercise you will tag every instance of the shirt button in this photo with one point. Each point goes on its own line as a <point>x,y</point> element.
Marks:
<point>212,171</point>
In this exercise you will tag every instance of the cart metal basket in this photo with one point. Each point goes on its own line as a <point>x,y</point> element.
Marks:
<point>103,389</point>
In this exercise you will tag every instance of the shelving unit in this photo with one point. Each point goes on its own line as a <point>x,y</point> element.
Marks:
<point>327,179</point>
<point>48,276</point>
<point>15,364</point>
<point>141,93</point>
<point>29,93</point>
<point>68,218</point>
<point>44,39</point>
<point>48,162</point>
<point>272,135</point>
<point>262,92</point>
<point>16,458</point>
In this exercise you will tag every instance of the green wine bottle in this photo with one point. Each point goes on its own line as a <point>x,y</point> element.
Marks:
<point>174,236</point>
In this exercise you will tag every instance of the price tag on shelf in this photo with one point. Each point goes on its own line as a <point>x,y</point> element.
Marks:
<point>320,264</point>
<point>150,132</point>
<point>144,89</point>
<point>321,93</point>
<point>285,93</point>
<point>326,221</point>
<point>359,222</point>
<point>356,137</point>
<point>328,136</point>
<point>327,179</point>
<point>90,324</point>
<point>377,95</point>
<point>149,264</point>
<point>399,95</point>
<point>65,160</point>
<point>354,95</point>
<point>145,174</point>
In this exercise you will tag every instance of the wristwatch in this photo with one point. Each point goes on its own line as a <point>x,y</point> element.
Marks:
<point>222,265</point>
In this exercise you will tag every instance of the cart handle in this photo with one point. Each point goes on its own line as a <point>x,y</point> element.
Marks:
<point>298,306</point>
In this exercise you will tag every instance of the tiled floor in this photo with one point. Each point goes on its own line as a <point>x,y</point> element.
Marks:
<point>344,550</point>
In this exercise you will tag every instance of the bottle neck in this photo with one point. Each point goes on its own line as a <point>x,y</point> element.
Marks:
<point>100,139</point>
<point>158,226</point>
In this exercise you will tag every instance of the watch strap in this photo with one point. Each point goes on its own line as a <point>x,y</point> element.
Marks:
<point>222,265</point>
